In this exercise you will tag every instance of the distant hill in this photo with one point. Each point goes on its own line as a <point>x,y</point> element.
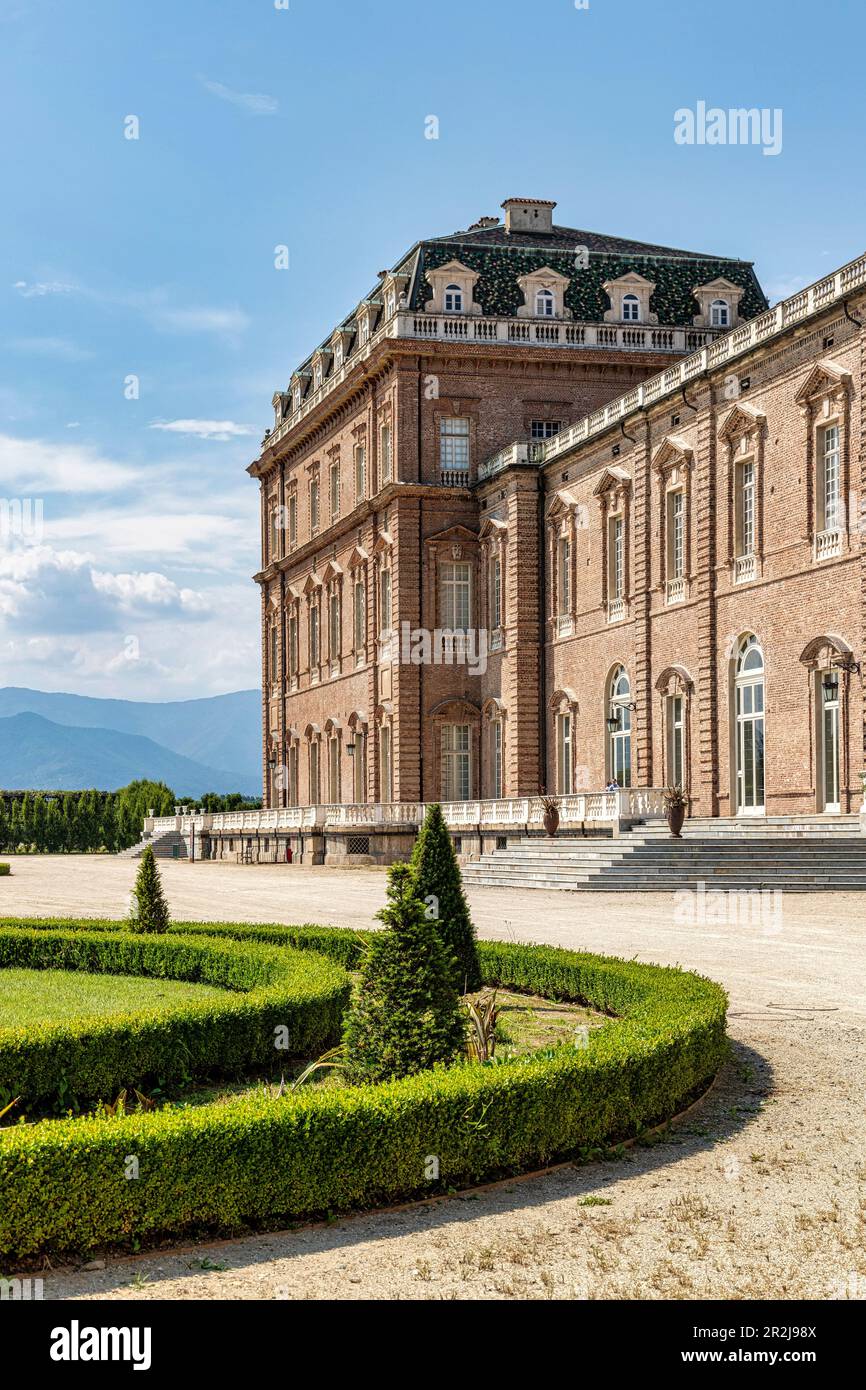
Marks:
<point>221,731</point>
<point>38,754</point>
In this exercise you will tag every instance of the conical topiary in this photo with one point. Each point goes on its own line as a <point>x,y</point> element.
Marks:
<point>440,887</point>
<point>149,911</point>
<point>405,1016</point>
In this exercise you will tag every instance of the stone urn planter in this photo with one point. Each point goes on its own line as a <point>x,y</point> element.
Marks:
<point>550,819</point>
<point>675,810</point>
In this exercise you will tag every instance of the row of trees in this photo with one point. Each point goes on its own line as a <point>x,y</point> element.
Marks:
<point>89,821</point>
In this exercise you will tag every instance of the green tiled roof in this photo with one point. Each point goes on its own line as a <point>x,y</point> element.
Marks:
<point>675,278</point>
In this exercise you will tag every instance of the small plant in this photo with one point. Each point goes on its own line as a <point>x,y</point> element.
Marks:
<point>4,869</point>
<point>548,803</point>
<point>674,797</point>
<point>336,1057</point>
<point>7,1108</point>
<point>481,1038</point>
<point>149,912</point>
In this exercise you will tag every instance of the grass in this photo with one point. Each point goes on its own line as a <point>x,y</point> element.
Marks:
<point>55,996</point>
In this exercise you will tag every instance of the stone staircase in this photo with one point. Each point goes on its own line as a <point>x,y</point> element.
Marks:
<point>792,854</point>
<point>164,846</point>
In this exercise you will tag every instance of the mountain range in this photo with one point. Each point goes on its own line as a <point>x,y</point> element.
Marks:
<point>52,741</point>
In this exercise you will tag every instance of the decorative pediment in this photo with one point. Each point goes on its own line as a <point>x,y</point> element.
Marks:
<point>564,502</point>
<point>461,300</point>
<point>613,479</point>
<point>673,452</point>
<point>564,700</point>
<point>742,420</point>
<point>709,294</point>
<point>312,583</point>
<point>544,283</point>
<point>333,570</point>
<point>629,284</point>
<point>493,708</point>
<point>358,558</point>
<point>312,731</point>
<point>826,378</point>
<point>333,724</point>
<point>492,526</point>
<point>384,543</point>
<point>675,680</point>
<point>294,590</point>
<point>357,720</point>
<point>822,651</point>
<point>453,535</point>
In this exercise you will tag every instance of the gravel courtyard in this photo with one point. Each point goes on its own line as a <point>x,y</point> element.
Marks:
<point>758,1193</point>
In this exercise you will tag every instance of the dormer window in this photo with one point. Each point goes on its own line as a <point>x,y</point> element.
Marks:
<point>390,303</point>
<point>317,376</point>
<point>365,329</point>
<point>338,355</point>
<point>545,304</point>
<point>296,398</point>
<point>453,286</point>
<point>630,308</point>
<point>630,297</point>
<point>720,314</point>
<point>453,299</point>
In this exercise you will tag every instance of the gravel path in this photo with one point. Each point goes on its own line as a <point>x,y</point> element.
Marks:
<point>758,1193</point>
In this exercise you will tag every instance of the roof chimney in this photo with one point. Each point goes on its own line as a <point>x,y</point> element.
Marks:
<point>528,215</point>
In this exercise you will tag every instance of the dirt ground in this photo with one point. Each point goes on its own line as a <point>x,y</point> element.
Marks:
<point>759,1192</point>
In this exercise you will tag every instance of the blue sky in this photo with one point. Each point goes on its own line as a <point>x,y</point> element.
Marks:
<point>305,126</point>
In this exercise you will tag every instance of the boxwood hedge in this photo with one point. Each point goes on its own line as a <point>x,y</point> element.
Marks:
<point>263,1160</point>
<point>95,1057</point>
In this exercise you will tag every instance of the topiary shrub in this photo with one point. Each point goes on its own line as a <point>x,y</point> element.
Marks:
<point>437,875</point>
<point>149,910</point>
<point>406,1014</point>
<point>4,869</point>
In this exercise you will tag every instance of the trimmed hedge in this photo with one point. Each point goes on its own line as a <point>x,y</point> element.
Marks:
<point>261,1160</point>
<point>4,869</point>
<point>93,1059</point>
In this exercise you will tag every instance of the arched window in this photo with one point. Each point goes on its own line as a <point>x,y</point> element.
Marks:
<point>749,726</point>
<point>630,308</point>
<point>720,314</point>
<point>453,299</point>
<point>545,304</point>
<point>619,727</point>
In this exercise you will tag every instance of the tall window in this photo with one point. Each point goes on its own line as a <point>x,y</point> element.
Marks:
<point>334,629</point>
<point>293,775</point>
<point>359,767</point>
<point>314,636</point>
<point>384,601</point>
<point>545,304</point>
<point>275,670</point>
<point>563,578</point>
<point>745,519</point>
<point>293,519</point>
<point>314,506</point>
<point>676,741</point>
<point>293,647</point>
<point>360,617</point>
<point>676,565</point>
<point>314,772</point>
<point>720,314</point>
<point>333,769</point>
<point>454,445</point>
<point>495,592</point>
<point>456,779</point>
<point>616,559</point>
<point>456,580</point>
<point>563,754</point>
<point>386,791</point>
<point>631,308</point>
<point>829,492</point>
<point>274,533</point>
<point>360,472</point>
<point>385,453</point>
<point>453,299</point>
<point>619,728</point>
<point>335,491</point>
<point>749,720</point>
<point>496,758</point>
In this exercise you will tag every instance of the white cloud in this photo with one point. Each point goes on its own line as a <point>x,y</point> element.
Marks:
<point>254,103</point>
<point>34,466</point>
<point>38,288</point>
<point>149,590</point>
<point>203,429</point>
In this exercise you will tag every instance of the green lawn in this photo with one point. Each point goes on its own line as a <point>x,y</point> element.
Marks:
<point>53,996</point>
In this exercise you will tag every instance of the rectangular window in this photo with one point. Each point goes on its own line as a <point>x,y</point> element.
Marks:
<point>335,491</point>
<point>496,757</point>
<point>456,595</point>
<point>385,776</point>
<point>275,670</point>
<point>314,506</point>
<point>563,578</point>
<point>495,592</point>
<point>334,769</point>
<point>293,519</point>
<point>746,508</point>
<point>385,453</point>
<point>563,743</point>
<point>359,769</point>
<point>385,601</point>
<point>334,629</point>
<point>360,623</point>
<point>293,775</point>
<point>454,445</point>
<point>274,534</point>
<point>676,535</point>
<point>544,429</point>
<point>293,647</point>
<point>314,635</point>
<point>455,762</point>
<point>314,773</point>
<point>616,559</point>
<point>829,491</point>
<point>360,472</point>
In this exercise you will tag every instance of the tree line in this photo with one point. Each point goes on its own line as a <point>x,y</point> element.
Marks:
<point>38,822</point>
